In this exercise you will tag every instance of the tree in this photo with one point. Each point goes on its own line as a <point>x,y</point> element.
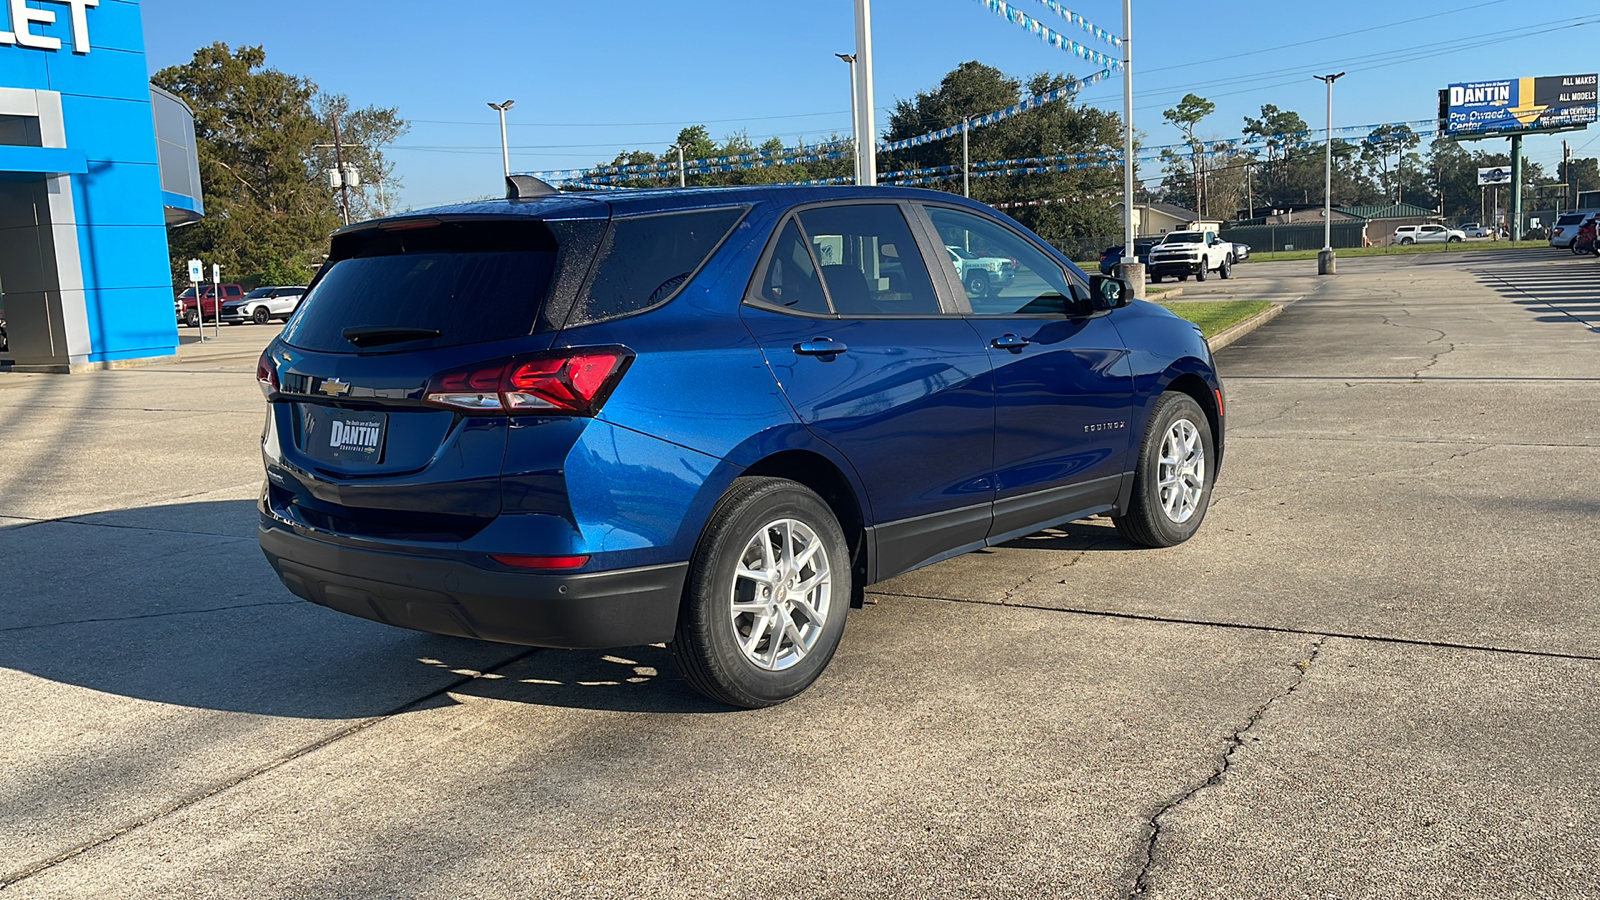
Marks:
<point>1186,116</point>
<point>363,133</point>
<point>1055,129</point>
<point>1285,175</point>
<point>1384,142</point>
<point>269,206</point>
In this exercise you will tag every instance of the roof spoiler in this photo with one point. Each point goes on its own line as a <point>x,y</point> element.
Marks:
<point>527,187</point>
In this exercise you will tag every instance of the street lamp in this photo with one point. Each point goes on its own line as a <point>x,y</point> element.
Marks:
<point>1325,264</point>
<point>505,145</point>
<point>855,124</point>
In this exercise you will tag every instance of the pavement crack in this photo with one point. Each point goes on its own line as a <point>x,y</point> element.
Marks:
<point>156,615</point>
<point>1236,740</point>
<point>1005,599</point>
<point>10,879</point>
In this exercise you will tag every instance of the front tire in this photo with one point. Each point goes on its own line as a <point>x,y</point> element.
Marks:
<point>1227,268</point>
<point>1172,484</point>
<point>1200,273</point>
<point>192,318</point>
<point>261,316</point>
<point>977,285</point>
<point>1155,279</point>
<point>768,591</point>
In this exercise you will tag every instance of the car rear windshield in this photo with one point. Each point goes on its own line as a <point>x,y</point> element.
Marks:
<point>468,281</point>
<point>1570,219</point>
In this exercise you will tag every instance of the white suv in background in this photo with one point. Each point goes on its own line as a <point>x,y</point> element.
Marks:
<point>263,304</point>
<point>1426,234</point>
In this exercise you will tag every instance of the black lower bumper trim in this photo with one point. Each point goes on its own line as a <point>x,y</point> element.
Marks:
<point>589,611</point>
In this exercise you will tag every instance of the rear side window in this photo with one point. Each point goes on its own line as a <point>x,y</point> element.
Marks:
<point>646,259</point>
<point>470,282</point>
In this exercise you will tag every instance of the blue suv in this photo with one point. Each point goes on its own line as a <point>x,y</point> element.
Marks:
<point>707,417</point>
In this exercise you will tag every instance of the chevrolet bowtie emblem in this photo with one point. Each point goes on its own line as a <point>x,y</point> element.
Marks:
<point>333,387</point>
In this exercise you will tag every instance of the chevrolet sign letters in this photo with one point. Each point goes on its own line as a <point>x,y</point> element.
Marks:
<point>23,17</point>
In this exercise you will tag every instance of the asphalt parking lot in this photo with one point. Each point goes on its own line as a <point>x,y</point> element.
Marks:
<point>1375,672</point>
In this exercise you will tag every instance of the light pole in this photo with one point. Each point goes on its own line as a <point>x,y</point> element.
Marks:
<point>866,128</point>
<point>1130,268</point>
<point>1325,264</point>
<point>505,145</point>
<point>966,157</point>
<point>855,123</point>
<point>682,182</point>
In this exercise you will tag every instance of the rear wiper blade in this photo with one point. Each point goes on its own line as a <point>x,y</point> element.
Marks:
<point>375,335</point>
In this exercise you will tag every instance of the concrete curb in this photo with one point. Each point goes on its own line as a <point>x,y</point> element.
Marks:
<point>1232,333</point>
<point>1165,295</point>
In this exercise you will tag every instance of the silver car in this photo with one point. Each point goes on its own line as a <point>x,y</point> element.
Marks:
<point>263,304</point>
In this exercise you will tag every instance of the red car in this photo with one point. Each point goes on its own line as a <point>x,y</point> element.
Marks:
<point>189,313</point>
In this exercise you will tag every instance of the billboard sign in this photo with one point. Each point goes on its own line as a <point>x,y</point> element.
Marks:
<point>1494,175</point>
<point>1522,104</point>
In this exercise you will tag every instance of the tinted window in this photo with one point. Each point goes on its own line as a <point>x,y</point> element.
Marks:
<point>258,293</point>
<point>791,278</point>
<point>646,259</point>
<point>1004,274</point>
<point>471,282</point>
<point>870,262</point>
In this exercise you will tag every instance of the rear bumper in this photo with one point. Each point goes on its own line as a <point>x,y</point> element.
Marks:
<point>595,610</point>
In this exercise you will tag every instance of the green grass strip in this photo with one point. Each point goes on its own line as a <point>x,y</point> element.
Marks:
<point>1215,317</point>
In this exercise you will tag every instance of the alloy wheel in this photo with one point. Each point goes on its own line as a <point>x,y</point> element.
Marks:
<point>1181,475</point>
<point>781,595</point>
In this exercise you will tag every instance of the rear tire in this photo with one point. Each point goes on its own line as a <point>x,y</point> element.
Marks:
<point>1405,241</point>
<point>751,632</point>
<point>1174,474</point>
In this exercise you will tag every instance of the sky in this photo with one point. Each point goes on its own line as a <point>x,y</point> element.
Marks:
<point>591,79</point>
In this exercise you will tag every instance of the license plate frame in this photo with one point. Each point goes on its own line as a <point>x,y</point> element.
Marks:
<point>345,436</point>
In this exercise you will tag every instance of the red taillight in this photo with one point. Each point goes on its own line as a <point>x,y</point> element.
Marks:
<point>576,382</point>
<point>539,562</point>
<point>267,375</point>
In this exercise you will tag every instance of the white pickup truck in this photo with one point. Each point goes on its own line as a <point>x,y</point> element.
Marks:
<point>1185,253</point>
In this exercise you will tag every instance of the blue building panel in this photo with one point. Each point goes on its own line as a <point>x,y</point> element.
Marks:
<point>110,130</point>
<point>131,256</point>
<point>126,336</point>
<point>102,196</point>
<point>112,163</point>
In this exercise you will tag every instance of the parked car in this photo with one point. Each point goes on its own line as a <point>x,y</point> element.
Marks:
<point>5,342</point>
<point>1426,234</point>
<point>1474,230</point>
<point>263,304</point>
<point>1111,257</point>
<point>189,312</point>
<point>1241,252</point>
<point>1566,228</point>
<point>707,417</point>
<point>1185,253</point>
<point>981,274</point>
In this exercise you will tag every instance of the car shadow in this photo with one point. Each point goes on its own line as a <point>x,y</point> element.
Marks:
<point>1075,537</point>
<point>176,605</point>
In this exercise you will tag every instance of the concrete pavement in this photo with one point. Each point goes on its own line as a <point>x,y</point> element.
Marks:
<point>1373,673</point>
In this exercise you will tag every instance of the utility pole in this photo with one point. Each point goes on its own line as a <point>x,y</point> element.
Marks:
<point>1325,259</point>
<point>855,115</point>
<point>344,177</point>
<point>966,159</point>
<point>1516,188</point>
<point>682,181</point>
<point>866,127</point>
<point>1130,268</point>
<point>505,145</point>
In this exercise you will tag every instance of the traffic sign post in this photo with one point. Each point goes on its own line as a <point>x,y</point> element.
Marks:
<point>216,288</point>
<point>197,275</point>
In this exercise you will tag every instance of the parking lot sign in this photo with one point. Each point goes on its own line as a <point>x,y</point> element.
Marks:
<point>196,270</point>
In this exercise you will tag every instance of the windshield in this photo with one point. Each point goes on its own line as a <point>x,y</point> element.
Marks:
<point>961,253</point>
<point>258,292</point>
<point>1185,237</point>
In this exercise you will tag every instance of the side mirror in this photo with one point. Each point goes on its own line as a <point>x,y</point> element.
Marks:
<point>1109,293</point>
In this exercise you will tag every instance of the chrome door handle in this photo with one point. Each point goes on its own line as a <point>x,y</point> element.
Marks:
<point>820,347</point>
<point>1009,342</point>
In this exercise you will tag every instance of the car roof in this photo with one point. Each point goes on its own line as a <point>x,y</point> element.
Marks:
<point>639,201</point>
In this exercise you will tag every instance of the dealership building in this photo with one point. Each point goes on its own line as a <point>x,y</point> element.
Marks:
<point>95,166</point>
